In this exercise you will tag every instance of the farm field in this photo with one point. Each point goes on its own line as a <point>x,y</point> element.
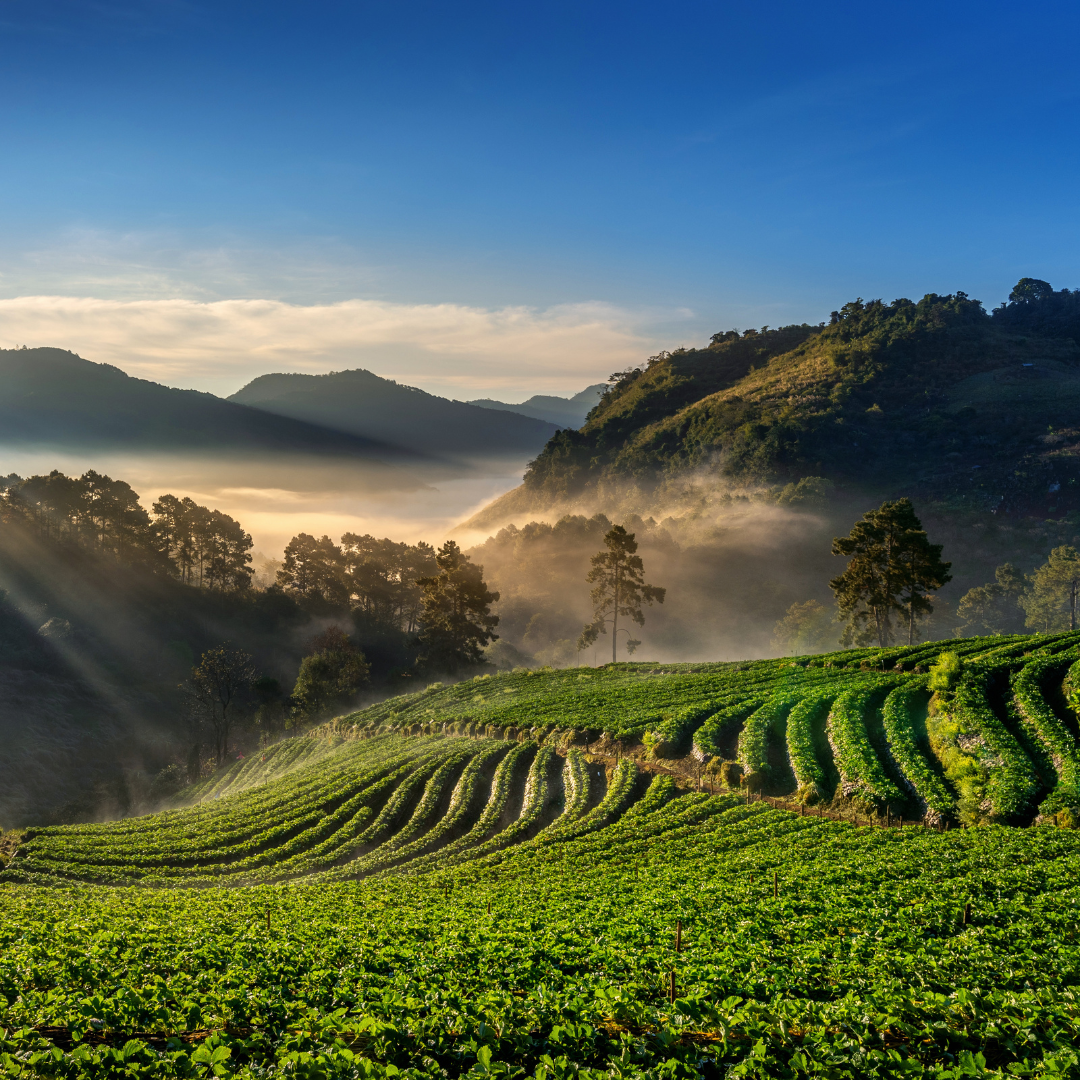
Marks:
<point>522,876</point>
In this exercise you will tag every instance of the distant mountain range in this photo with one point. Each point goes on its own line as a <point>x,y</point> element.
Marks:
<point>362,403</point>
<point>50,397</point>
<point>54,398</point>
<point>565,412</point>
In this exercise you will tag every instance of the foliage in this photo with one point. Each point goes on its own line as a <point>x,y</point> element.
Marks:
<point>331,674</point>
<point>618,580</point>
<point>865,401</point>
<point>202,547</point>
<point>216,682</point>
<point>946,671</point>
<point>892,567</point>
<point>805,628</point>
<point>993,608</point>
<point>555,958</point>
<point>1051,601</point>
<point>208,548</point>
<point>455,620</point>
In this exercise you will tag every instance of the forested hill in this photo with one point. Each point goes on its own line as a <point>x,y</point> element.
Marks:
<point>938,399</point>
<point>364,404</point>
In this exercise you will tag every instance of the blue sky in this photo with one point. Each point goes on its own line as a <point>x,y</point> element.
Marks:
<point>634,175</point>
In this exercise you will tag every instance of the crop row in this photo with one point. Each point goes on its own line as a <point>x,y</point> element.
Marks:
<point>861,769</point>
<point>910,751</point>
<point>557,959</point>
<point>1054,735</point>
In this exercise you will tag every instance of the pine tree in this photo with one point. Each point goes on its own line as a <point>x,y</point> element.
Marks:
<point>455,618</point>
<point>620,590</point>
<point>1051,601</point>
<point>893,568</point>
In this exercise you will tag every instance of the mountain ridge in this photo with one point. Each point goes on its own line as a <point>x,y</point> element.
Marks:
<point>358,401</point>
<point>937,399</point>
<point>568,412</point>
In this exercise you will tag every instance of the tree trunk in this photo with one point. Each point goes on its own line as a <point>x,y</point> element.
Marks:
<point>911,620</point>
<point>615,619</point>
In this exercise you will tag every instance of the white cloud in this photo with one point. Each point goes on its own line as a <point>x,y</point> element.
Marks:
<point>445,348</point>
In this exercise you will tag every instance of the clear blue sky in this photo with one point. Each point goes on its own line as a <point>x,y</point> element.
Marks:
<point>699,164</point>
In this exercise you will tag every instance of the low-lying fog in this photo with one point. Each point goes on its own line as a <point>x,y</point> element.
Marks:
<point>274,499</point>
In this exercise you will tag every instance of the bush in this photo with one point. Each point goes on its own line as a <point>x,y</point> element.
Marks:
<point>946,671</point>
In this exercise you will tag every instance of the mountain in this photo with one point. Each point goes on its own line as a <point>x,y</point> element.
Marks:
<point>364,404</point>
<point>936,399</point>
<point>50,397</point>
<point>565,412</point>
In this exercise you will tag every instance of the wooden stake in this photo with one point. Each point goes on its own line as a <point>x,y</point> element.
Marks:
<point>671,986</point>
<point>678,937</point>
<point>967,913</point>
<point>775,885</point>
<point>268,920</point>
<point>489,907</point>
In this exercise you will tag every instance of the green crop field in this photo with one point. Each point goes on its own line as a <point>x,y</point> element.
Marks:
<point>553,874</point>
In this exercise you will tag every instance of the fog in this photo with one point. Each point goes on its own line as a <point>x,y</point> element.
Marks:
<point>732,561</point>
<point>274,498</point>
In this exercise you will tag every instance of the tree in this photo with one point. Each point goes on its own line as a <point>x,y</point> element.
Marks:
<point>205,547</point>
<point>272,705</point>
<point>455,616</point>
<point>620,589</point>
<point>1050,602</point>
<point>315,569</point>
<point>1030,290</point>
<point>331,675</point>
<point>993,608</point>
<point>892,568</point>
<point>921,572</point>
<point>382,578</point>
<point>220,677</point>
<point>805,628</point>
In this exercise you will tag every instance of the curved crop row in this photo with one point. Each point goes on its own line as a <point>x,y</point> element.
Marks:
<point>1013,784</point>
<point>485,825</point>
<point>908,751</point>
<point>802,743</point>
<point>860,767</point>
<point>1051,731</point>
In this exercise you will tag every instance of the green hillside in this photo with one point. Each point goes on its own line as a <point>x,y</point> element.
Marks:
<point>558,874</point>
<point>936,399</point>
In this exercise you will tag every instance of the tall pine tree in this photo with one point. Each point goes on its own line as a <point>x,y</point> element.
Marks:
<point>620,590</point>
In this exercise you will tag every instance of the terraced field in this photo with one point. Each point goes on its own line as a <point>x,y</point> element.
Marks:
<point>542,873</point>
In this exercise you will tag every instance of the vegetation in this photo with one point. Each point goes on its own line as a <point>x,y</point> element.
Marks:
<point>931,397</point>
<point>618,580</point>
<point>892,567</point>
<point>455,619</point>
<point>432,889</point>
<point>331,675</point>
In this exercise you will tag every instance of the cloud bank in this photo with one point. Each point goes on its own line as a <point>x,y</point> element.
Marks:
<point>449,349</point>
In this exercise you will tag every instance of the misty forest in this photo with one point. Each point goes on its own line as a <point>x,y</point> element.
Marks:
<point>803,589</point>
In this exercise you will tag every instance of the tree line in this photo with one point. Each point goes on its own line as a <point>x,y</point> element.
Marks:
<point>892,577</point>
<point>201,547</point>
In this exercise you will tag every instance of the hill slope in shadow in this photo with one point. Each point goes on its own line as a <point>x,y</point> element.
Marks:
<point>365,405</point>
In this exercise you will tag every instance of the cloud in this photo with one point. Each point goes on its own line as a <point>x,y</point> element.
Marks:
<point>446,348</point>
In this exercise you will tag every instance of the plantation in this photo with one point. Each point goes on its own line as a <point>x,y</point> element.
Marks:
<point>559,873</point>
